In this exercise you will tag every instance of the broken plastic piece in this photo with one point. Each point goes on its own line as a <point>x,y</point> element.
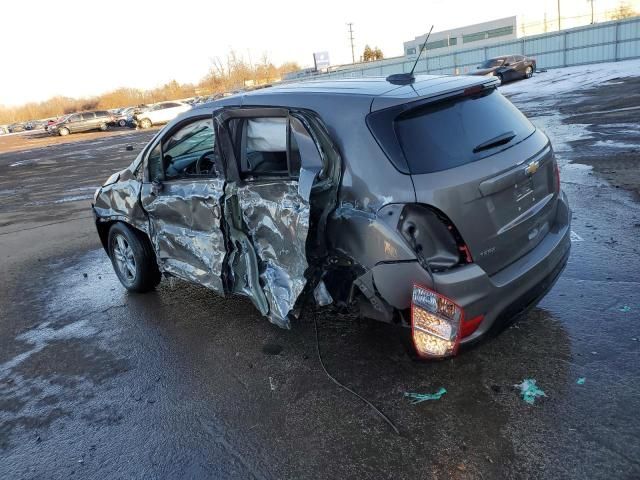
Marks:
<point>421,397</point>
<point>530,390</point>
<point>322,295</point>
<point>625,309</point>
<point>581,381</point>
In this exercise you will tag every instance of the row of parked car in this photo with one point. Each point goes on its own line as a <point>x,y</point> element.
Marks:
<point>143,116</point>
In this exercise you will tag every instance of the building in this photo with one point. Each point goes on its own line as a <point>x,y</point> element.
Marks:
<point>471,36</point>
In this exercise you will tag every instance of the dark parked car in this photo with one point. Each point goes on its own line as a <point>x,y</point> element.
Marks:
<point>402,203</point>
<point>508,67</point>
<point>81,122</point>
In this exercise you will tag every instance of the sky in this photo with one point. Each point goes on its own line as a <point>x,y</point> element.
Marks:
<point>81,48</point>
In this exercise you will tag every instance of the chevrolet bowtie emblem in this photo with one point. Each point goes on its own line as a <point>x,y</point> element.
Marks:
<point>531,168</point>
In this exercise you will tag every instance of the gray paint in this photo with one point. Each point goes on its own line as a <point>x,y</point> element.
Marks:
<point>279,238</point>
<point>277,221</point>
<point>185,230</point>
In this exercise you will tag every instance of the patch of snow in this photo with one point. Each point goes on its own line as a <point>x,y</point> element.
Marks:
<point>571,80</point>
<point>614,144</point>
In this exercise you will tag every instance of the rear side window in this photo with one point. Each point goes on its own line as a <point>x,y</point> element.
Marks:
<point>268,148</point>
<point>452,133</point>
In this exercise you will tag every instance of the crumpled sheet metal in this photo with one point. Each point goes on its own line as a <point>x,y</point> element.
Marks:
<point>120,201</point>
<point>194,252</point>
<point>277,220</point>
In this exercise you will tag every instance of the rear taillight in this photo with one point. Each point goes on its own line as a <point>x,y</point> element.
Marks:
<point>557,177</point>
<point>469,326</point>
<point>435,323</point>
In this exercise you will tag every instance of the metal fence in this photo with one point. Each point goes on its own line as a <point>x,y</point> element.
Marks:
<point>602,42</point>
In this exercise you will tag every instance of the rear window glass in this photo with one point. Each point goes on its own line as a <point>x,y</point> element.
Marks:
<point>445,135</point>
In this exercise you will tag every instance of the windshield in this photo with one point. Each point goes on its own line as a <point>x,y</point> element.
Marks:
<point>456,132</point>
<point>496,62</point>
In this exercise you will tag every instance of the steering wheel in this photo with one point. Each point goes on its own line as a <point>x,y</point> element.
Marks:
<point>199,162</point>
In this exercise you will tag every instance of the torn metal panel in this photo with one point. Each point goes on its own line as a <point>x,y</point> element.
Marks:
<point>185,230</point>
<point>242,259</point>
<point>371,238</point>
<point>118,200</point>
<point>277,221</point>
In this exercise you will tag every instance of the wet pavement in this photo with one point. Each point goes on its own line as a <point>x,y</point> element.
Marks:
<point>179,383</point>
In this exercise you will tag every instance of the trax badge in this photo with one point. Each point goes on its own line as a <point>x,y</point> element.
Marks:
<point>532,168</point>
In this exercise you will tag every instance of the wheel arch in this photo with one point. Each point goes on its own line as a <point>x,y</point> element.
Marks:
<point>103,225</point>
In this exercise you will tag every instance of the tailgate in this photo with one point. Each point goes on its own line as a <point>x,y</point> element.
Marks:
<point>503,205</point>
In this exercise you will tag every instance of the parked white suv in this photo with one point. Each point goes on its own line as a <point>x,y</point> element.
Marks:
<point>161,113</point>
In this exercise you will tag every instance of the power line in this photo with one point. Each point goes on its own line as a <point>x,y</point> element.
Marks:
<point>353,55</point>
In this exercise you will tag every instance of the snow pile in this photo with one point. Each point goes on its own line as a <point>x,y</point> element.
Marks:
<point>570,80</point>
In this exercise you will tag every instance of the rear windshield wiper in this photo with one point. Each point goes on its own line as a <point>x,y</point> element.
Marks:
<point>501,139</point>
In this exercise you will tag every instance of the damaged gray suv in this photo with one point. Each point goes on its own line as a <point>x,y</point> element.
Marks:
<point>434,205</point>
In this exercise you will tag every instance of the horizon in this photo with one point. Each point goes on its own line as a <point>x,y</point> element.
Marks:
<point>148,48</point>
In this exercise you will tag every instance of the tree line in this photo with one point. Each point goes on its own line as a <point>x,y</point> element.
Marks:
<point>230,74</point>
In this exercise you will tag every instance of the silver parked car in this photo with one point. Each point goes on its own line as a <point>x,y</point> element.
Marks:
<point>434,205</point>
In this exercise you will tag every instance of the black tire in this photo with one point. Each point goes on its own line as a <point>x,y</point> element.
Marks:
<point>122,123</point>
<point>63,132</point>
<point>133,259</point>
<point>528,73</point>
<point>145,123</point>
<point>501,78</point>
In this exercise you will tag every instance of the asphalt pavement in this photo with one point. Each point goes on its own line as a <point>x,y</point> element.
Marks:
<point>179,383</point>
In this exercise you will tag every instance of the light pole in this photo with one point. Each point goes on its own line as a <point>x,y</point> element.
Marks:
<point>558,15</point>
<point>591,1</point>
<point>353,55</point>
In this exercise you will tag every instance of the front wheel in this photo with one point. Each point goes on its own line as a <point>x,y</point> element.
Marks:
<point>133,259</point>
<point>528,73</point>
<point>63,132</point>
<point>145,123</point>
<point>122,123</point>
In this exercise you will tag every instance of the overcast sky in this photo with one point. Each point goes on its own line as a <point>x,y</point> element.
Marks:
<point>79,47</point>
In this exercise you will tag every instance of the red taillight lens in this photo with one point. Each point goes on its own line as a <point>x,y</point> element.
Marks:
<point>435,323</point>
<point>469,326</point>
<point>557,177</point>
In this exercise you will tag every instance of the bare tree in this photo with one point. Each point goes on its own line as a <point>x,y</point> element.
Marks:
<point>624,10</point>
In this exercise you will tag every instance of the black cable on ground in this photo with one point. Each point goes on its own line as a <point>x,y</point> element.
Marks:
<point>332,378</point>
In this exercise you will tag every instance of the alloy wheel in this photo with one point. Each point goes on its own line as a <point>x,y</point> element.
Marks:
<point>124,259</point>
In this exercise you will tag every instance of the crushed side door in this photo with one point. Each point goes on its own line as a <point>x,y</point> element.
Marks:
<point>185,217</point>
<point>267,217</point>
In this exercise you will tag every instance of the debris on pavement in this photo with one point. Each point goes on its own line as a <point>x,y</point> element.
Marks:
<point>625,309</point>
<point>421,397</point>
<point>530,390</point>
<point>581,381</point>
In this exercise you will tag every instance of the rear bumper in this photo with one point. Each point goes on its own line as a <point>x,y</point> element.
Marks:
<point>501,296</point>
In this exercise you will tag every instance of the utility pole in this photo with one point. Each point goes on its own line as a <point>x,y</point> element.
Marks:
<point>558,15</point>
<point>353,55</point>
<point>592,22</point>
